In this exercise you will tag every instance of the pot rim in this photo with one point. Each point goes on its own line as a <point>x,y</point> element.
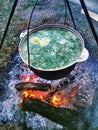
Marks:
<point>49,26</point>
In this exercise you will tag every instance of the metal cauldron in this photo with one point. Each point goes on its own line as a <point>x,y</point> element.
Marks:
<point>56,73</point>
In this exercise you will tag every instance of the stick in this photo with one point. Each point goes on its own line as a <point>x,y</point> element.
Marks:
<point>32,86</point>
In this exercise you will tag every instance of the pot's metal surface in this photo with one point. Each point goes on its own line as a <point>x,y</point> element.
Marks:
<point>55,73</point>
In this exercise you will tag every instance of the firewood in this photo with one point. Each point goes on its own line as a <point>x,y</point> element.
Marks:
<point>71,119</point>
<point>32,86</point>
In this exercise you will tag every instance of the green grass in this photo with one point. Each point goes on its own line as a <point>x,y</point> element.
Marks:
<point>10,42</point>
<point>16,27</point>
<point>30,3</point>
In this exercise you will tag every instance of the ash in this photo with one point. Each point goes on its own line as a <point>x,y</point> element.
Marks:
<point>11,112</point>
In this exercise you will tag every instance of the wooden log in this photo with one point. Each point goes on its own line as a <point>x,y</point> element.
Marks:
<point>32,86</point>
<point>71,119</point>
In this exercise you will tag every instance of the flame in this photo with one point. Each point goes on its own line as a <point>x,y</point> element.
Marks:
<point>42,97</point>
<point>34,94</point>
<point>25,94</point>
<point>55,99</point>
<point>59,99</point>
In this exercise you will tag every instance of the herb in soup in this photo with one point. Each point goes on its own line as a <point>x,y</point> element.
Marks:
<point>52,48</point>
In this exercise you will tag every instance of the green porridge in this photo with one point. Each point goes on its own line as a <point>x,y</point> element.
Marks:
<point>52,48</point>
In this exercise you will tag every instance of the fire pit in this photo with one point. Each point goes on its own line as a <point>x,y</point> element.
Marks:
<point>57,100</point>
<point>56,96</point>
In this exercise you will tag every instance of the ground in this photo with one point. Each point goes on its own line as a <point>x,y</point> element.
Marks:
<point>46,12</point>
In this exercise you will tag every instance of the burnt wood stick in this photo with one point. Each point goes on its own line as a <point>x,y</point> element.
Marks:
<point>71,119</point>
<point>32,86</point>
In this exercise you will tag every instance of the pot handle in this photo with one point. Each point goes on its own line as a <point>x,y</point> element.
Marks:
<point>84,56</point>
<point>23,34</point>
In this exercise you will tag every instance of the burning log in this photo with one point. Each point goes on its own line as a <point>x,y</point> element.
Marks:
<point>32,86</point>
<point>63,97</point>
<point>64,116</point>
<point>59,98</point>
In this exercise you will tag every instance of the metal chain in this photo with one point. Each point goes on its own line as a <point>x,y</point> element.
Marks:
<point>28,28</point>
<point>89,20</point>
<point>65,16</point>
<point>70,11</point>
<point>66,2</point>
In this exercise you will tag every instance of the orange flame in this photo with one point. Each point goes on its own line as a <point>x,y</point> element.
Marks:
<point>41,97</point>
<point>55,99</point>
<point>25,94</point>
<point>59,100</point>
<point>34,94</point>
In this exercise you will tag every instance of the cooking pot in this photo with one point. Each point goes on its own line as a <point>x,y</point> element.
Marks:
<point>54,73</point>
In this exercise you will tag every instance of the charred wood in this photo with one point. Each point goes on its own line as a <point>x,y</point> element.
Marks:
<point>32,86</point>
<point>69,118</point>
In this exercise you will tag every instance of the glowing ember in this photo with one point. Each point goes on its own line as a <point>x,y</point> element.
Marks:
<point>34,94</point>
<point>55,99</point>
<point>26,94</point>
<point>28,78</point>
<point>60,98</point>
<point>42,97</point>
<point>73,92</point>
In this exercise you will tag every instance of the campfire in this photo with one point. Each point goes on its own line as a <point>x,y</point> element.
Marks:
<point>56,100</point>
<point>54,97</point>
<point>63,93</point>
<point>34,94</point>
<point>57,95</point>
